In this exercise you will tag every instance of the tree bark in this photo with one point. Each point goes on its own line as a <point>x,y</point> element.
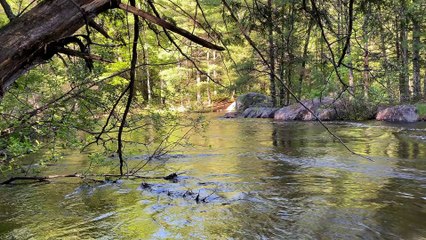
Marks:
<point>24,40</point>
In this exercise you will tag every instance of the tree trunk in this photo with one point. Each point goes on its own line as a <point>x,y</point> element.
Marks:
<point>366,71</point>
<point>416,59</point>
<point>24,40</point>
<point>214,73</point>
<point>271,54</point>
<point>281,72</point>
<point>209,95</point>
<point>351,72</point>
<point>403,48</point>
<point>385,62</point>
<point>304,59</point>
<point>198,86</point>
<point>145,81</point>
<point>289,48</point>
<point>424,87</point>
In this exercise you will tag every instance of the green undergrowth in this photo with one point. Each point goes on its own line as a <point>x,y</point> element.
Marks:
<point>421,109</point>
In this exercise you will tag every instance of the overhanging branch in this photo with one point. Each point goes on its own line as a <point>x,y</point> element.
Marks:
<point>7,10</point>
<point>169,26</point>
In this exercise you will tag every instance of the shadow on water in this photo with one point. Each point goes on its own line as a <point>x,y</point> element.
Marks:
<point>253,178</point>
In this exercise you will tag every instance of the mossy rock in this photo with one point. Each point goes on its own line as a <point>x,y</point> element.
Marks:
<point>252,100</point>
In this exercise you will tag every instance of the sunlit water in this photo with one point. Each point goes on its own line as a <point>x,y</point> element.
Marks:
<point>255,179</point>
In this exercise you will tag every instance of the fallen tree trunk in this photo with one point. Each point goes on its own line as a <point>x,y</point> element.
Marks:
<point>24,39</point>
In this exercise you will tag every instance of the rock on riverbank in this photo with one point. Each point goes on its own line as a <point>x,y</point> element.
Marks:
<point>401,113</point>
<point>256,105</point>
<point>326,109</point>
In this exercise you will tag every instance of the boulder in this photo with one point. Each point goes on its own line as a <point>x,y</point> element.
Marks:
<point>401,113</point>
<point>327,114</point>
<point>259,112</point>
<point>325,109</point>
<point>252,100</point>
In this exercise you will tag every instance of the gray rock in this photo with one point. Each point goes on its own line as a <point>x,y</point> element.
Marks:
<point>401,113</point>
<point>259,112</point>
<point>327,114</point>
<point>324,109</point>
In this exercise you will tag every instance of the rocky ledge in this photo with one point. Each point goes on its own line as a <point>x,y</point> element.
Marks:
<point>255,105</point>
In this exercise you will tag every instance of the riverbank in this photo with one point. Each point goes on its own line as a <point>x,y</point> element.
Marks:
<point>255,105</point>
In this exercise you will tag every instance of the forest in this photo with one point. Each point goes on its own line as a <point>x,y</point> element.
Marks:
<point>369,51</point>
<point>126,86</point>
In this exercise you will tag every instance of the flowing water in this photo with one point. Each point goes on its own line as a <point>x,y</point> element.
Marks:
<point>244,179</point>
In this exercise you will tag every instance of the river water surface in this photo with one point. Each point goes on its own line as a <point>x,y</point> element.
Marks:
<point>244,179</point>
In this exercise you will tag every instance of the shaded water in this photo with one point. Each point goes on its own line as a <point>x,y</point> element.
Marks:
<point>255,179</point>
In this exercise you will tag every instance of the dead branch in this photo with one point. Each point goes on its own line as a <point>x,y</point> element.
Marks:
<point>84,55</point>
<point>99,28</point>
<point>40,179</point>
<point>169,26</point>
<point>170,177</point>
<point>131,87</point>
<point>7,10</point>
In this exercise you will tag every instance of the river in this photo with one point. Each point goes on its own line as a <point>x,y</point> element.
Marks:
<point>254,178</point>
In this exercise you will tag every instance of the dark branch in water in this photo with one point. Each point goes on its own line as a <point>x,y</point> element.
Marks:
<point>40,179</point>
<point>170,177</point>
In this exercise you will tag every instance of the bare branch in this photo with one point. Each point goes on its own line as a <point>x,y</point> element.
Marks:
<point>98,28</point>
<point>84,55</point>
<point>7,10</point>
<point>170,27</point>
<point>131,87</point>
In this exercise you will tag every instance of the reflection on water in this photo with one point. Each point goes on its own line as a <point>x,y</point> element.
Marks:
<point>253,179</point>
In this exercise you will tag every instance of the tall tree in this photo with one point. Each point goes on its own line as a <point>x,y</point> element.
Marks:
<point>402,48</point>
<point>416,46</point>
<point>366,57</point>
<point>270,25</point>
